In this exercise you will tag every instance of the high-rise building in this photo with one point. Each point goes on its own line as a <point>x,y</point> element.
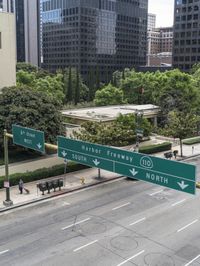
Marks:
<point>151,22</point>
<point>186,47</point>
<point>93,35</point>
<point>7,50</point>
<point>27,28</point>
<point>160,42</point>
<point>7,5</point>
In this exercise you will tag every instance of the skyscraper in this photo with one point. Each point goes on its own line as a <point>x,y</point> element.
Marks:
<point>93,35</point>
<point>186,47</point>
<point>151,21</point>
<point>27,30</point>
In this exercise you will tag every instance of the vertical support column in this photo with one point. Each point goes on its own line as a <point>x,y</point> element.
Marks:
<point>8,202</point>
<point>155,121</point>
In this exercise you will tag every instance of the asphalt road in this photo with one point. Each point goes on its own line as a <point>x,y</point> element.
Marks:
<point>118,223</point>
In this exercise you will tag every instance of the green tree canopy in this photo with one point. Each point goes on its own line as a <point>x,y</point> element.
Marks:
<point>52,85</point>
<point>120,132</point>
<point>70,86</point>
<point>32,109</point>
<point>109,95</point>
<point>181,125</point>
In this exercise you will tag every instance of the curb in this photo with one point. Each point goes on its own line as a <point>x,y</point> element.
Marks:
<point>59,194</point>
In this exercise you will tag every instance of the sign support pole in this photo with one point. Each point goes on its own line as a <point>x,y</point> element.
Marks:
<point>99,173</point>
<point>8,201</point>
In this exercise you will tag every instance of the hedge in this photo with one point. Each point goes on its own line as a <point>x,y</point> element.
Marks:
<point>165,146</point>
<point>42,173</point>
<point>191,141</point>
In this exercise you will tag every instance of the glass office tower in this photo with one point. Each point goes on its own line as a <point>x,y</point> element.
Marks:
<point>186,50</point>
<point>93,34</point>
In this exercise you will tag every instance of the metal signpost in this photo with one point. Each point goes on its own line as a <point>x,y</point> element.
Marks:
<point>172,174</point>
<point>29,138</point>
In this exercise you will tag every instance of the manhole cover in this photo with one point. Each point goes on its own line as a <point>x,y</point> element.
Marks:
<point>124,243</point>
<point>158,259</point>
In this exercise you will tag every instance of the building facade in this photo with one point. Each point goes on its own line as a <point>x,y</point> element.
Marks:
<point>151,22</point>
<point>160,46</point>
<point>7,50</point>
<point>27,30</point>
<point>186,47</point>
<point>93,35</point>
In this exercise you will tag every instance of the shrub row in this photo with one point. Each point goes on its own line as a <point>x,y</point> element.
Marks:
<point>42,173</point>
<point>165,146</point>
<point>191,141</point>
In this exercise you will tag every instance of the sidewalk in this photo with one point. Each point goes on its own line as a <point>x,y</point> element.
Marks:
<point>72,181</point>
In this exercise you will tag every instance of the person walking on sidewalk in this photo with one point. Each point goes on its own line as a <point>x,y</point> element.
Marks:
<point>21,186</point>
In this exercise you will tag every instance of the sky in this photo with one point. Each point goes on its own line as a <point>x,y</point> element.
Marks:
<point>164,10</point>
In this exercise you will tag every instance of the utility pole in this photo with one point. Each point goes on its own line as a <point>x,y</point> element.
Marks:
<point>8,202</point>
<point>139,131</point>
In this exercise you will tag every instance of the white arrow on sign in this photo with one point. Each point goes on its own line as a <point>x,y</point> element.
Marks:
<point>64,153</point>
<point>182,185</point>
<point>133,172</point>
<point>39,146</point>
<point>96,162</point>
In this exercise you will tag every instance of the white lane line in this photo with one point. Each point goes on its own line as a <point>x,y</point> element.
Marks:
<point>121,206</point>
<point>138,221</point>
<point>154,193</point>
<point>65,203</point>
<point>181,229</point>
<point>131,258</point>
<point>4,251</point>
<point>178,202</point>
<point>85,245</point>
<point>187,264</point>
<point>85,220</point>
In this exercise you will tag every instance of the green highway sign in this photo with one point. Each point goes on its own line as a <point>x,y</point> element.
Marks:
<point>176,175</point>
<point>29,138</point>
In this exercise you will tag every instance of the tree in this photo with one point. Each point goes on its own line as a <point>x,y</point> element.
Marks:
<point>120,132</point>
<point>26,67</point>
<point>77,91</point>
<point>69,96</point>
<point>181,125</point>
<point>52,85</point>
<point>109,95</point>
<point>70,86</point>
<point>32,109</point>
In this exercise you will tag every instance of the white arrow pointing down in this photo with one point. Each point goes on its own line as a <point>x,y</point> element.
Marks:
<point>64,153</point>
<point>96,162</point>
<point>39,146</point>
<point>133,172</point>
<point>182,185</point>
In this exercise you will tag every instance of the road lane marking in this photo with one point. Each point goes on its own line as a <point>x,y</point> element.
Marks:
<point>181,229</point>
<point>187,264</point>
<point>65,203</point>
<point>138,221</point>
<point>4,251</point>
<point>131,258</point>
<point>178,202</point>
<point>85,245</point>
<point>116,208</point>
<point>71,225</point>
<point>154,193</point>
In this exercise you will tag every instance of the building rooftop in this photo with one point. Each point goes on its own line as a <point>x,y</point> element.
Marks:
<point>110,113</point>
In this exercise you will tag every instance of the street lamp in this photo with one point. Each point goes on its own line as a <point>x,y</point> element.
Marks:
<point>139,131</point>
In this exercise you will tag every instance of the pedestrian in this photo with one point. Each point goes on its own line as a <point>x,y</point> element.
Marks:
<point>21,186</point>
